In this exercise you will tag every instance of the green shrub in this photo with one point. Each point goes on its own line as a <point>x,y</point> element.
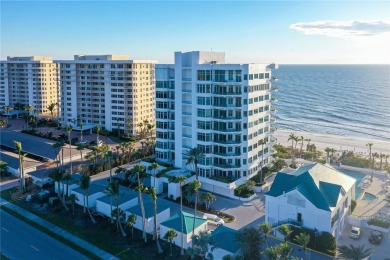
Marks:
<point>128,138</point>
<point>379,223</point>
<point>296,231</point>
<point>326,243</point>
<point>356,161</point>
<point>222,179</point>
<point>278,165</point>
<point>353,205</point>
<point>243,191</point>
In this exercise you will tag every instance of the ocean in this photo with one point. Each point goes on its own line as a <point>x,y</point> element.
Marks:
<point>350,100</point>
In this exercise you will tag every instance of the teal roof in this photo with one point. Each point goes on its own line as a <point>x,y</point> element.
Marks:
<point>175,222</point>
<point>320,184</point>
<point>149,209</point>
<point>225,238</point>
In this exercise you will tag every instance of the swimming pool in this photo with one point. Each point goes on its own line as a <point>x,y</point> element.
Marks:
<point>358,177</point>
<point>368,196</point>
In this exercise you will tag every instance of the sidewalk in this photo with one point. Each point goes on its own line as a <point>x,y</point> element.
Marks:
<point>65,234</point>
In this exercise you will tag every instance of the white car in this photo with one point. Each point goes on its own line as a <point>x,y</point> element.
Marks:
<point>354,233</point>
<point>83,142</point>
<point>45,182</point>
<point>214,219</point>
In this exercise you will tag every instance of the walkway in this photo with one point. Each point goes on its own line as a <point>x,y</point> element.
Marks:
<point>59,231</point>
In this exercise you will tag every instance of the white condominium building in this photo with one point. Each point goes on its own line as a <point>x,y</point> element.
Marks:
<point>223,109</point>
<point>107,90</point>
<point>28,81</point>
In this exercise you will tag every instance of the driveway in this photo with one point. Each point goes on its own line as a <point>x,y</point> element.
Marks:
<point>381,251</point>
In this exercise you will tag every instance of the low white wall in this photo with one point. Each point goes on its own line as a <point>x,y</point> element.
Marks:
<point>174,190</point>
<point>105,208</point>
<point>91,198</point>
<point>149,223</point>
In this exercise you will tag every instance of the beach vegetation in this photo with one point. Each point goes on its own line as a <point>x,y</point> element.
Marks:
<point>281,151</point>
<point>356,160</point>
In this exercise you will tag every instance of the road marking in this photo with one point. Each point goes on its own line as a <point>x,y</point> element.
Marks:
<point>34,247</point>
<point>4,229</point>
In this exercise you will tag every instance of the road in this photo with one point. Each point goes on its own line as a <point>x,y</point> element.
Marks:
<point>22,241</point>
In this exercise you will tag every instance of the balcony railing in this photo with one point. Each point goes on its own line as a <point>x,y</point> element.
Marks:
<point>227,93</point>
<point>227,154</point>
<point>288,221</point>
<point>227,117</point>
<point>227,105</point>
<point>227,166</point>
<point>227,142</point>
<point>227,130</point>
<point>186,79</point>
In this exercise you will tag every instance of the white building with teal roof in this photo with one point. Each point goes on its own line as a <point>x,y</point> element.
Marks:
<point>315,196</point>
<point>225,243</point>
<point>188,220</point>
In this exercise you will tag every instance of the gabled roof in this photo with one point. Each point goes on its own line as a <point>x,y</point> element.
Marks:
<point>149,210</point>
<point>225,238</point>
<point>320,184</point>
<point>175,222</point>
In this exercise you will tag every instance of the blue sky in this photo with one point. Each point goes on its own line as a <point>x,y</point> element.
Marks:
<point>298,32</point>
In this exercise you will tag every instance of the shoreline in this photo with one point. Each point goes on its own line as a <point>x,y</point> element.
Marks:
<point>338,142</point>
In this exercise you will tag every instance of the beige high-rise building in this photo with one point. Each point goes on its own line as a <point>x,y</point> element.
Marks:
<point>106,90</point>
<point>28,81</point>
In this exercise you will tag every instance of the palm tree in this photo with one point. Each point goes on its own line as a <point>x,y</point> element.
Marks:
<point>169,236</point>
<point>207,198</point>
<point>51,108</point>
<point>18,148</point>
<point>80,147</point>
<point>66,178</point>
<point>181,180</point>
<point>354,253</point>
<point>327,150</point>
<point>370,148</point>
<point>139,170</point>
<point>130,222</point>
<point>262,143</point>
<point>72,200</point>
<point>113,191</point>
<point>7,110</point>
<point>374,156</point>
<point>332,151</point>
<point>57,148</point>
<point>308,144</point>
<point>193,155</point>
<point>129,126</point>
<point>105,132</point>
<point>150,128</point>
<point>204,241</point>
<point>57,175</point>
<point>81,130</point>
<point>386,158</point>
<point>292,138</point>
<point>300,152</point>
<point>272,253</point>
<point>285,230</point>
<point>69,129</point>
<point>250,242</point>
<point>265,229</point>
<point>303,240</point>
<point>284,250</point>
<point>194,186</point>
<point>84,185</point>
<point>381,156</point>
<point>98,128</point>
<point>154,166</point>
<point>29,108</point>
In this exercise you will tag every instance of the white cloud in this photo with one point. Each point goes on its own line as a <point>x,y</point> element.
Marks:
<point>343,29</point>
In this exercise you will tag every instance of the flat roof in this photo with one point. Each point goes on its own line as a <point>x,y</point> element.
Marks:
<point>149,209</point>
<point>12,159</point>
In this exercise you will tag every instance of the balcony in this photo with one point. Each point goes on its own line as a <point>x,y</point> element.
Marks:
<point>227,141</point>
<point>227,166</point>
<point>186,79</point>
<point>227,154</point>
<point>226,93</point>
<point>187,113</point>
<point>187,102</point>
<point>290,221</point>
<point>273,129</point>
<point>275,78</point>
<point>227,117</point>
<point>228,105</point>
<point>187,136</point>
<point>186,90</point>
<point>226,130</point>
<point>187,125</point>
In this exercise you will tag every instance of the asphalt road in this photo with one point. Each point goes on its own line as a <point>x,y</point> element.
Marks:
<point>19,240</point>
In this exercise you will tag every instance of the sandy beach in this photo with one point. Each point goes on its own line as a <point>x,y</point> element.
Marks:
<point>337,142</point>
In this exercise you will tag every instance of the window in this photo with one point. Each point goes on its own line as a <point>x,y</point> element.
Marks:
<point>204,75</point>
<point>245,76</point>
<point>219,76</point>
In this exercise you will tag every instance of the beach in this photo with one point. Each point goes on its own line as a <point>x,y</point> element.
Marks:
<point>338,142</point>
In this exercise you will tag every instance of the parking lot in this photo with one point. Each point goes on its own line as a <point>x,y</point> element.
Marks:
<point>380,252</point>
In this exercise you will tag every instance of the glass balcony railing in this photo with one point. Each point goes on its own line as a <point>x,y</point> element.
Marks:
<point>227,117</point>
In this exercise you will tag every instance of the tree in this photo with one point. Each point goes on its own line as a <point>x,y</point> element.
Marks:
<point>194,186</point>
<point>130,222</point>
<point>284,250</point>
<point>292,138</point>
<point>303,240</point>
<point>308,144</point>
<point>51,108</point>
<point>113,191</point>
<point>250,242</point>
<point>354,253</point>
<point>139,170</point>
<point>29,108</point>
<point>7,110</point>
<point>80,147</point>
<point>154,166</point>
<point>204,241</point>
<point>105,132</point>
<point>84,185</point>
<point>72,200</point>
<point>272,253</point>
<point>381,156</point>
<point>81,130</point>
<point>193,156</point>
<point>327,150</point>
<point>265,229</point>
<point>285,230</point>
<point>98,128</point>
<point>300,151</point>
<point>370,148</point>
<point>129,126</point>
<point>57,148</point>
<point>150,129</point>
<point>169,236</point>
<point>332,151</point>
<point>181,179</point>
<point>57,175</point>
<point>69,129</point>
<point>207,198</point>
<point>18,148</point>
<point>386,158</point>
<point>374,156</point>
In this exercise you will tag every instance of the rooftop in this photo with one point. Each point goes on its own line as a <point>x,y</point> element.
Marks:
<point>149,209</point>
<point>322,185</point>
<point>125,194</point>
<point>225,238</point>
<point>175,222</point>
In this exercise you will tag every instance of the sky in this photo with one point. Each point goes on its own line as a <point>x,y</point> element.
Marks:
<point>284,32</point>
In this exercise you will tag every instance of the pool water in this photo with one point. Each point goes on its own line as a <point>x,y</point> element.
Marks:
<point>358,177</point>
<point>368,196</point>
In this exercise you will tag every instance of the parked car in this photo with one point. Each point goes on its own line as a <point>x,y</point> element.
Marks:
<point>214,219</point>
<point>63,137</point>
<point>95,143</point>
<point>354,233</point>
<point>84,142</point>
<point>375,237</point>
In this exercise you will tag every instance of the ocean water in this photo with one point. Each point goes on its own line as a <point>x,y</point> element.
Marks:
<point>350,100</point>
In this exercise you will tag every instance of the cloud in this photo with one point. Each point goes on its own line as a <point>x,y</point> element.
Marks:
<point>343,29</point>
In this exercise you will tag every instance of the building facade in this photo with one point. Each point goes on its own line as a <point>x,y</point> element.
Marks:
<point>107,90</point>
<point>28,81</point>
<point>223,109</point>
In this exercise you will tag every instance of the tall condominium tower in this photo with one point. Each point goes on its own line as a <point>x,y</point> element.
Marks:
<point>223,109</point>
<point>107,90</point>
<point>28,81</point>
